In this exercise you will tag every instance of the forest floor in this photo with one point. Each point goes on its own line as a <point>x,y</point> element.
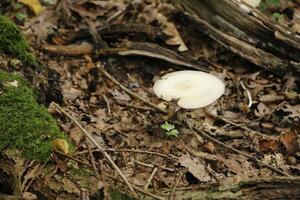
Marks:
<point>251,132</point>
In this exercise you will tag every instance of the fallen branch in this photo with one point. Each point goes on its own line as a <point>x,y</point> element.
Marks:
<point>144,49</point>
<point>255,188</point>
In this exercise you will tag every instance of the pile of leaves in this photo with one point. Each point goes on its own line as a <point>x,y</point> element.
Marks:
<point>252,132</point>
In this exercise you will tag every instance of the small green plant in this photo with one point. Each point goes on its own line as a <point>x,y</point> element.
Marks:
<point>169,129</point>
<point>277,16</point>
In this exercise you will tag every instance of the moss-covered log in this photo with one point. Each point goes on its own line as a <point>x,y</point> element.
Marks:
<point>24,123</point>
<point>12,42</point>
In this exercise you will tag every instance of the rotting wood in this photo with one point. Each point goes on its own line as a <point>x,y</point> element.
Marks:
<point>256,188</point>
<point>143,49</point>
<point>246,32</point>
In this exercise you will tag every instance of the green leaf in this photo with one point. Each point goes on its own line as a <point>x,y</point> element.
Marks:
<point>167,127</point>
<point>173,133</point>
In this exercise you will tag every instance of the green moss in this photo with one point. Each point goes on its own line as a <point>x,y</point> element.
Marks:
<point>116,195</point>
<point>12,42</point>
<point>24,124</point>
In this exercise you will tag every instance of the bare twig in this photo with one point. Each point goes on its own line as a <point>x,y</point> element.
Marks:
<point>99,147</point>
<point>75,159</point>
<point>150,178</point>
<point>110,77</point>
<point>137,188</point>
<point>172,195</point>
<point>106,187</point>
<point>170,156</point>
<point>92,160</point>
<point>248,94</point>
<point>152,166</point>
<point>107,104</point>
<point>135,106</point>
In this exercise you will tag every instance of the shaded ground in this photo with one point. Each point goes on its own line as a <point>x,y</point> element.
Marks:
<point>254,125</point>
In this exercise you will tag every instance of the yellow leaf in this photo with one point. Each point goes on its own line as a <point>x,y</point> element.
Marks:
<point>34,5</point>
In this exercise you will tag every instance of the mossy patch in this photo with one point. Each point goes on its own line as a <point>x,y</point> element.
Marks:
<point>24,124</point>
<point>12,42</point>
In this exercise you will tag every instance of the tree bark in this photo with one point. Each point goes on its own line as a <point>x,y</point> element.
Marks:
<point>247,32</point>
<point>259,188</point>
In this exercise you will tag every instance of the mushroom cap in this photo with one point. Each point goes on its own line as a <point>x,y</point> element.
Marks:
<point>192,89</point>
<point>253,3</point>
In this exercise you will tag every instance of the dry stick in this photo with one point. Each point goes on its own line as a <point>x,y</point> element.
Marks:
<point>99,147</point>
<point>248,94</point>
<point>75,159</point>
<point>151,166</point>
<point>150,178</point>
<point>144,108</point>
<point>107,104</point>
<point>110,77</point>
<point>202,133</point>
<point>137,189</point>
<point>92,160</point>
<point>106,189</point>
<point>170,156</point>
<point>172,196</point>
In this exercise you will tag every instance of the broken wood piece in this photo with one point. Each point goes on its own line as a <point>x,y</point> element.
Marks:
<point>69,50</point>
<point>144,49</point>
<point>247,32</point>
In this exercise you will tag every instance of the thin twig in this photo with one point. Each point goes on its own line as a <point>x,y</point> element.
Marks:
<point>110,77</point>
<point>99,147</point>
<point>135,106</point>
<point>75,159</point>
<point>172,195</point>
<point>137,188</point>
<point>107,104</point>
<point>150,178</point>
<point>248,94</point>
<point>152,166</point>
<point>202,133</point>
<point>143,151</point>
<point>106,187</point>
<point>92,160</point>
<point>170,156</point>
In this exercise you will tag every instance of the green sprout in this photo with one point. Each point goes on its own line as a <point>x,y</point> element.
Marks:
<point>170,129</point>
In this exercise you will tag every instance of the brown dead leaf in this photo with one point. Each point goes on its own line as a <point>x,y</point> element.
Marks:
<point>268,145</point>
<point>42,25</point>
<point>170,30</point>
<point>210,147</point>
<point>262,110</point>
<point>195,167</point>
<point>289,140</point>
<point>28,196</point>
<point>76,135</point>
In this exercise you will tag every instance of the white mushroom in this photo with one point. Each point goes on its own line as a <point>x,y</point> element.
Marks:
<point>253,3</point>
<point>192,89</point>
